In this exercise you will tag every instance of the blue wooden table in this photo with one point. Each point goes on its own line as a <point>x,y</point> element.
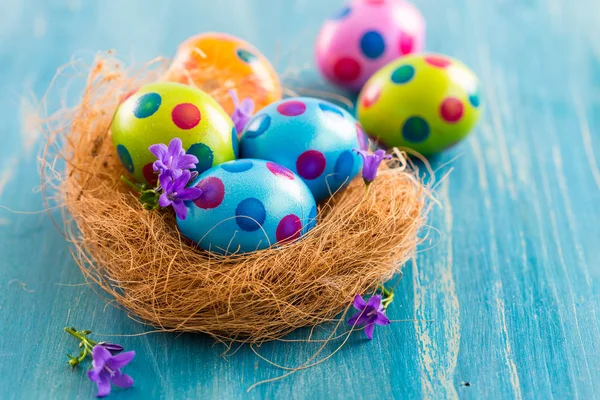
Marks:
<point>503,301</point>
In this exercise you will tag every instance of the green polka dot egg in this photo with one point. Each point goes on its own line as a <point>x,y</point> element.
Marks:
<point>159,112</point>
<point>426,102</point>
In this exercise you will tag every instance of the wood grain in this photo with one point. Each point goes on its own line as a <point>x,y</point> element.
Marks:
<point>502,299</point>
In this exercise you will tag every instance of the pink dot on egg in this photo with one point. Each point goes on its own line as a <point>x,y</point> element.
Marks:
<point>288,228</point>
<point>291,108</point>
<point>451,109</point>
<point>437,61</point>
<point>311,164</point>
<point>371,95</point>
<point>186,116</point>
<point>406,43</point>
<point>213,193</point>
<point>150,175</point>
<point>280,171</point>
<point>347,69</point>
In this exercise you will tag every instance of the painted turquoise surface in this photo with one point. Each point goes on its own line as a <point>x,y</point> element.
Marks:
<point>504,292</point>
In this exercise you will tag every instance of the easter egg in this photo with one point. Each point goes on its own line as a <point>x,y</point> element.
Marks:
<point>425,102</point>
<point>216,62</point>
<point>159,112</point>
<point>364,36</point>
<point>312,137</point>
<point>248,205</point>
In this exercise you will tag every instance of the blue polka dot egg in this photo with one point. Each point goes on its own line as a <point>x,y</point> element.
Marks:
<point>248,205</point>
<point>312,137</point>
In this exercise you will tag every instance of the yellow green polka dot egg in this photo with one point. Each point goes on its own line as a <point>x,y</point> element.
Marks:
<point>159,112</point>
<point>427,102</point>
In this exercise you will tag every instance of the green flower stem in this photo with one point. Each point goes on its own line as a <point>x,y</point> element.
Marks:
<point>131,184</point>
<point>86,344</point>
<point>148,197</point>
<point>388,296</point>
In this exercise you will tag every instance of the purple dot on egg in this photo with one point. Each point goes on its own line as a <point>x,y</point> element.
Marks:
<point>280,171</point>
<point>291,108</point>
<point>250,214</point>
<point>213,193</point>
<point>311,164</point>
<point>288,229</point>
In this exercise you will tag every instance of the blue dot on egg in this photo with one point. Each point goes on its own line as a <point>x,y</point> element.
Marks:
<point>237,166</point>
<point>147,105</point>
<point>257,126</point>
<point>250,214</point>
<point>403,74</point>
<point>235,143</point>
<point>125,158</point>
<point>415,130</point>
<point>372,44</point>
<point>246,56</point>
<point>341,14</point>
<point>474,99</point>
<point>204,155</point>
<point>344,167</point>
<point>329,108</point>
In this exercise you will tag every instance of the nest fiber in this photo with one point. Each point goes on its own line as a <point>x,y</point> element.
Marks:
<point>140,259</point>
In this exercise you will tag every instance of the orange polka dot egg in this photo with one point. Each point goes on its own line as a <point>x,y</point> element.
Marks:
<point>217,62</point>
<point>159,112</point>
<point>426,102</point>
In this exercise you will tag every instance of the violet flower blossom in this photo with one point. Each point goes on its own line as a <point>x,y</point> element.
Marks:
<point>175,191</point>
<point>243,111</point>
<point>369,315</point>
<point>112,347</point>
<point>106,370</point>
<point>172,158</point>
<point>371,164</point>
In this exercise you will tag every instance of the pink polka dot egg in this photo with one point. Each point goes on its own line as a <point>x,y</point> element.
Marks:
<point>248,205</point>
<point>159,112</point>
<point>426,102</point>
<point>364,36</point>
<point>312,137</point>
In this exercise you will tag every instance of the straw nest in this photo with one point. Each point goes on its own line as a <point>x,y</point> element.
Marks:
<point>140,259</point>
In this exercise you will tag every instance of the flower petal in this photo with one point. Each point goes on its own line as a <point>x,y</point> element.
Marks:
<point>175,148</point>
<point>164,200</point>
<point>359,302</point>
<point>352,320</point>
<point>94,373</point>
<point>180,209</point>
<point>382,319</point>
<point>166,181</point>
<point>100,356</point>
<point>181,181</point>
<point>369,330</point>
<point>120,360</point>
<point>233,94</point>
<point>191,193</point>
<point>103,385</point>
<point>375,301</point>
<point>158,150</point>
<point>187,161</point>
<point>122,380</point>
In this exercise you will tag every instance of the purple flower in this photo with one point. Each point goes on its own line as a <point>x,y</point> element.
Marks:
<point>106,369</point>
<point>371,163</point>
<point>175,191</point>
<point>243,111</point>
<point>112,347</point>
<point>369,314</point>
<point>173,157</point>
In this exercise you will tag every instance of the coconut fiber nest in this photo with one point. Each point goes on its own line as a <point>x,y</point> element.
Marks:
<point>141,260</point>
